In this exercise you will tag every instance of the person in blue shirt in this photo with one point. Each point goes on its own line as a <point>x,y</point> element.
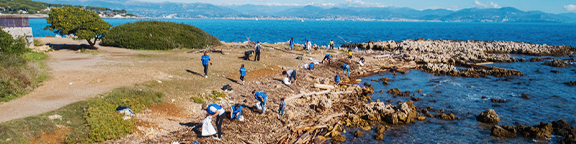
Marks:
<point>262,97</point>
<point>337,79</point>
<point>242,73</point>
<point>311,66</point>
<point>282,106</point>
<point>345,68</point>
<point>236,111</point>
<point>216,110</point>
<point>291,43</point>
<point>205,61</point>
<point>328,57</point>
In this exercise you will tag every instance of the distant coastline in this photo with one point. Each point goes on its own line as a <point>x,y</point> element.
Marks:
<point>43,16</point>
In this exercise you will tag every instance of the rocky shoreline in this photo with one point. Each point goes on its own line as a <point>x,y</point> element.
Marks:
<point>441,56</point>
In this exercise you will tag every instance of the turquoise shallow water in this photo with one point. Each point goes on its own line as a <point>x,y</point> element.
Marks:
<point>321,32</point>
<point>551,99</point>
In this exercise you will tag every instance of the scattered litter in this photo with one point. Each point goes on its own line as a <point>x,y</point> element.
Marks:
<point>227,88</point>
<point>300,57</point>
<point>125,110</point>
<point>159,81</point>
<point>71,83</point>
<point>241,118</point>
<point>175,142</point>
<point>55,116</point>
<point>173,100</point>
<point>170,76</point>
<point>126,117</point>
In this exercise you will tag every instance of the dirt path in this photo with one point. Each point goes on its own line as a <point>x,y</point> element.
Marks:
<point>78,76</point>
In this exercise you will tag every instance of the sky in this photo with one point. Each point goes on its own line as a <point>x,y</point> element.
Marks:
<point>550,6</point>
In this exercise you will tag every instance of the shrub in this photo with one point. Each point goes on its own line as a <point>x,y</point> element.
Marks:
<point>37,42</point>
<point>9,45</point>
<point>216,95</point>
<point>156,35</point>
<point>18,76</point>
<point>198,100</point>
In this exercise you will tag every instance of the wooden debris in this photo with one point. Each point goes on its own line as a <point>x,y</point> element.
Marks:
<point>323,86</point>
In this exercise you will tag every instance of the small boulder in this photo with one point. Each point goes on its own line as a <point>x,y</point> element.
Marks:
<point>488,116</point>
<point>419,91</point>
<point>358,133</point>
<point>525,96</point>
<point>379,136</point>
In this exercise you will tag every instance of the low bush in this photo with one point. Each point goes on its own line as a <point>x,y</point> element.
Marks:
<point>9,45</point>
<point>216,95</point>
<point>156,35</point>
<point>198,100</point>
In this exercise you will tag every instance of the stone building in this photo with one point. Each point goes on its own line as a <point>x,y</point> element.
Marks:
<point>17,27</point>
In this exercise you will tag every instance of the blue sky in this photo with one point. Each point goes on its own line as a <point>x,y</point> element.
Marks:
<point>551,6</point>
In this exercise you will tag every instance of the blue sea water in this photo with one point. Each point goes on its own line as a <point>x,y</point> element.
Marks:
<point>321,32</point>
<point>550,99</point>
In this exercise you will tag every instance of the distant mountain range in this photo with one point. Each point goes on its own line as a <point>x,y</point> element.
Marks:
<point>204,10</point>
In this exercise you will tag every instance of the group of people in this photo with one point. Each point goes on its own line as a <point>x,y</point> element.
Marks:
<point>308,44</point>
<point>217,111</point>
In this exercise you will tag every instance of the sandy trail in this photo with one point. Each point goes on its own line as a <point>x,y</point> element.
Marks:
<point>78,76</point>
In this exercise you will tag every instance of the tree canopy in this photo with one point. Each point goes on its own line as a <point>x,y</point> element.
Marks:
<point>82,23</point>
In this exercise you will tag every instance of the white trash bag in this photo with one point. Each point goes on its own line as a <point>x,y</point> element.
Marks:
<point>207,128</point>
<point>287,81</point>
<point>258,106</point>
<point>241,118</point>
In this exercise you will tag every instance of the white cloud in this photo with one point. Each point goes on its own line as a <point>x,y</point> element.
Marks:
<point>570,7</point>
<point>486,5</point>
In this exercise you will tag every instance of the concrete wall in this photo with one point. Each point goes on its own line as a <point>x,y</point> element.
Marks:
<point>21,31</point>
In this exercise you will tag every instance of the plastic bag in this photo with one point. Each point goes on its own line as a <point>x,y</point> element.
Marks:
<point>207,128</point>
<point>258,106</point>
<point>287,81</point>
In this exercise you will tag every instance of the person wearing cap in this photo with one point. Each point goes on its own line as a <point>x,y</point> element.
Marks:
<point>328,57</point>
<point>216,110</point>
<point>262,97</point>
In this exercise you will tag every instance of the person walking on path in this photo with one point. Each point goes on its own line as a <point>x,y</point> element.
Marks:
<point>291,44</point>
<point>328,57</point>
<point>305,43</point>
<point>282,105</point>
<point>345,68</point>
<point>205,61</point>
<point>263,98</point>
<point>291,75</point>
<point>257,50</point>
<point>216,110</point>
<point>236,111</point>
<point>242,73</point>
<point>331,44</point>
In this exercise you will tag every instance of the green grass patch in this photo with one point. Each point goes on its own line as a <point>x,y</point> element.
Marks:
<point>216,95</point>
<point>37,42</point>
<point>198,100</point>
<point>35,56</point>
<point>94,120</point>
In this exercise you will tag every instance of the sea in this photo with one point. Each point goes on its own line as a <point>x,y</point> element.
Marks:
<point>551,100</point>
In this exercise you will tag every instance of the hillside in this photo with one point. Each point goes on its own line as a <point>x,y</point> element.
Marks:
<point>204,10</point>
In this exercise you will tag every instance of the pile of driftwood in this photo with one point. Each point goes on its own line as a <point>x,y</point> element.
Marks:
<point>208,49</point>
<point>319,133</point>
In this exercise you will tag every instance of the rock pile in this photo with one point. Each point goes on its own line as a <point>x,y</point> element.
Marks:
<point>556,63</point>
<point>488,116</point>
<point>571,83</point>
